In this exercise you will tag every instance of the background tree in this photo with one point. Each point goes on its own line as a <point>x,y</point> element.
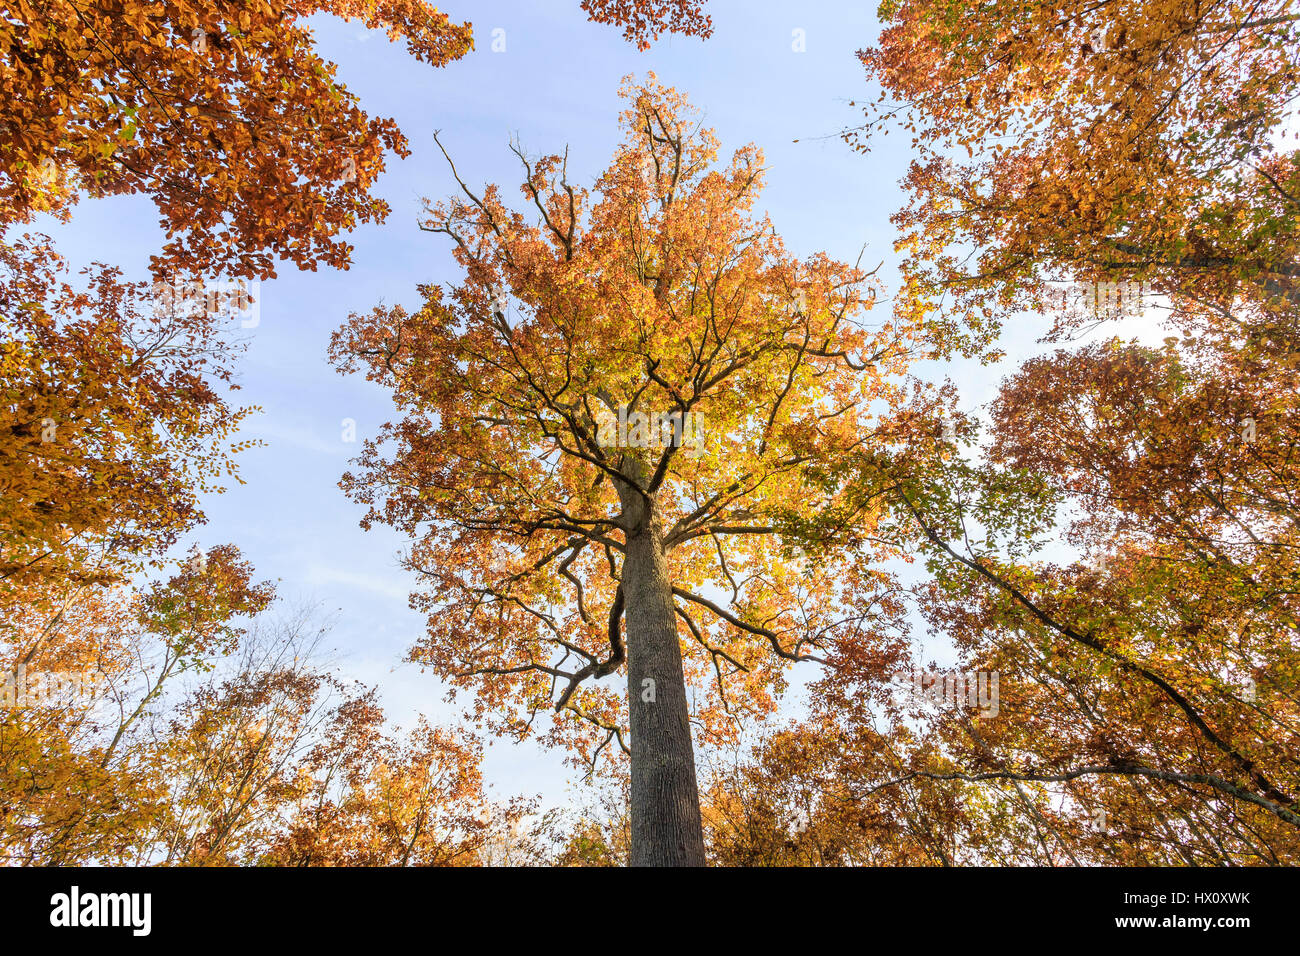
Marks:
<point>642,20</point>
<point>218,737</point>
<point>1147,711</point>
<point>81,775</point>
<point>1139,141</point>
<point>113,421</point>
<point>542,526</point>
<point>224,114</point>
<point>1148,705</point>
<point>376,799</point>
<point>1137,149</point>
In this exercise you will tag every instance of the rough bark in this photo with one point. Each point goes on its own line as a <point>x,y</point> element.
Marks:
<point>665,803</point>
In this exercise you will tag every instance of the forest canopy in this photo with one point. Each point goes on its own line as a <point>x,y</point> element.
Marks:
<point>981,549</point>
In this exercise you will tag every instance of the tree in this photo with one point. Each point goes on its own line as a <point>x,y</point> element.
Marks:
<point>373,799</point>
<point>1136,142</point>
<point>1156,679</point>
<point>113,418</point>
<point>57,791</point>
<point>278,763</point>
<point>81,776</point>
<point>1133,149</point>
<point>224,114</point>
<point>810,795</point>
<point>642,20</point>
<point>1147,706</point>
<point>621,415</point>
<point>213,736</point>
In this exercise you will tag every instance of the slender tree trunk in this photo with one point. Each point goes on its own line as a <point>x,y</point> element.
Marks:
<point>665,806</point>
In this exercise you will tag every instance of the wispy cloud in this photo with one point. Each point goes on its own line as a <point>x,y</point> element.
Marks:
<point>307,439</point>
<point>396,587</point>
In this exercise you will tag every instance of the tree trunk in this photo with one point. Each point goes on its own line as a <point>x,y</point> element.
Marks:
<point>665,807</point>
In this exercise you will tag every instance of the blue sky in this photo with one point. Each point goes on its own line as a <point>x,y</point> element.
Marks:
<point>553,85</point>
